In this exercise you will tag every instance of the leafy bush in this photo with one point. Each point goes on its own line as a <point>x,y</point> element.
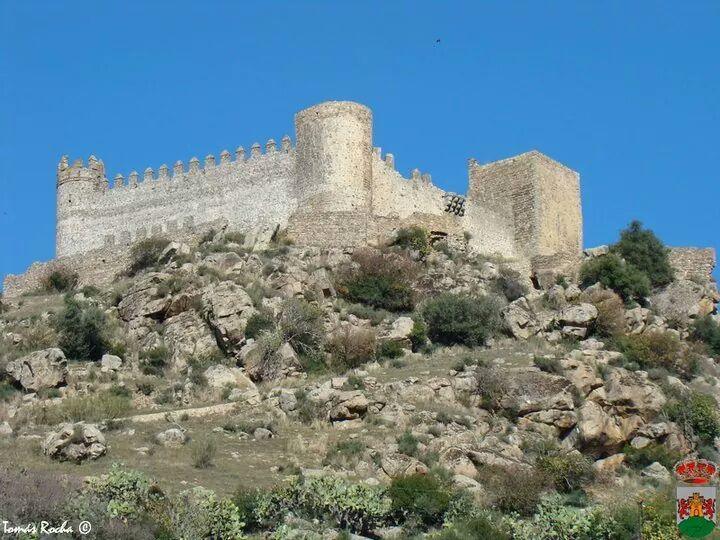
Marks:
<point>413,238</point>
<point>556,521</point>
<point>478,526</point>
<point>199,513</point>
<point>421,497</point>
<point>707,330</point>
<point>642,457</point>
<point>82,329</point>
<point>153,361</point>
<point>257,324</point>
<point>350,347</point>
<point>7,391</point>
<point>613,272</point>
<point>407,443</point>
<point>548,364</point>
<point>127,493</point>
<point>458,319</point>
<point>91,408</point>
<point>344,453</point>
<point>658,349</point>
<point>642,249</point>
<point>27,496</point>
<point>146,253</point>
<point>698,412</point>
<point>390,349</point>
<point>203,454</point>
<point>610,321</point>
<point>512,491</point>
<point>302,326</point>
<point>567,471</point>
<point>509,285</point>
<point>357,507</point>
<point>418,335</point>
<point>379,280</point>
<point>246,501</point>
<point>60,279</point>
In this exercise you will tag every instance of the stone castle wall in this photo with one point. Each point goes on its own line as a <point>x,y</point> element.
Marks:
<point>333,189</point>
<point>693,263</point>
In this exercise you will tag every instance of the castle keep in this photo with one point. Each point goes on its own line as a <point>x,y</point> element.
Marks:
<point>332,189</point>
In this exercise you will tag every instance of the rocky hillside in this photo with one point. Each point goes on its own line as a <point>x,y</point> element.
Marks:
<point>220,390</point>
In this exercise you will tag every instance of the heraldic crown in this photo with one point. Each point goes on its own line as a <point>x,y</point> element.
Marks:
<point>695,471</point>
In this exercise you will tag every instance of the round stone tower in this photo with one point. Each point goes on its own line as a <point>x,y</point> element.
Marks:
<point>77,187</point>
<point>334,151</point>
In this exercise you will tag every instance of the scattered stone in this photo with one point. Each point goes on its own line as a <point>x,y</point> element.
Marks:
<point>173,437</point>
<point>75,442</point>
<point>110,363</point>
<point>262,434</point>
<point>5,429</point>
<point>656,471</point>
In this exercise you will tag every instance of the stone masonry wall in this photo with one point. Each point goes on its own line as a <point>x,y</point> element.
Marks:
<point>690,262</point>
<point>248,193</point>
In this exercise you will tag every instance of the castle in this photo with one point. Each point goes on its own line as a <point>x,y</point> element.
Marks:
<point>332,189</point>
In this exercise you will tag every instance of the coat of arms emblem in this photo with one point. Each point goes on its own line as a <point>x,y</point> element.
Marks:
<point>696,497</point>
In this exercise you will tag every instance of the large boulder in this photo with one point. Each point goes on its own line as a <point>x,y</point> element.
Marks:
<point>172,437</point>
<point>75,442</point>
<point>186,336</point>
<point>40,369</point>
<point>145,298</point>
<point>400,331</point>
<point>520,319</point>
<point>228,308</point>
<point>264,365</point>
<point>630,393</point>
<point>349,406</point>
<point>220,376</point>
<point>576,319</point>
<point>597,431</point>
<point>110,363</point>
<point>526,390</point>
<point>683,300</point>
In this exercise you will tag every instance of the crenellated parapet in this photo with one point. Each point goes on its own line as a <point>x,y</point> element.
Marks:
<point>92,173</point>
<point>197,170</point>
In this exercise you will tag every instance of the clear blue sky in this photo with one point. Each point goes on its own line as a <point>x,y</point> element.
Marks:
<point>626,93</point>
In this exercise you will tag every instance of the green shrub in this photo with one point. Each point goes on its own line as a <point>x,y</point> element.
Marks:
<point>247,500</point>
<point>199,513</point>
<point>610,321</point>
<point>350,347</point>
<point>344,453</point>
<point>566,471</point>
<point>612,272</point>
<point>658,350</point>
<point>554,520</point>
<point>413,238</point>
<point>642,457</point>
<point>146,253</point>
<point>642,249</point>
<point>383,281</point>
<point>257,324</point>
<point>91,408</point>
<point>60,279</point>
<point>508,284</point>
<point>707,331</point>
<point>478,526</point>
<point>418,335</point>
<point>127,493</point>
<point>458,319</point>
<point>203,454</point>
<point>514,491</point>
<point>308,410</point>
<point>7,391</point>
<point>153,361</point>
<point>548,365</point>
<point>699,412</point>
<point>357,507</point>
<point>302,326</point>
<point>407,443</point>
<point>82,330</point>
<point>420,497</point>
<point>390,349</point>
